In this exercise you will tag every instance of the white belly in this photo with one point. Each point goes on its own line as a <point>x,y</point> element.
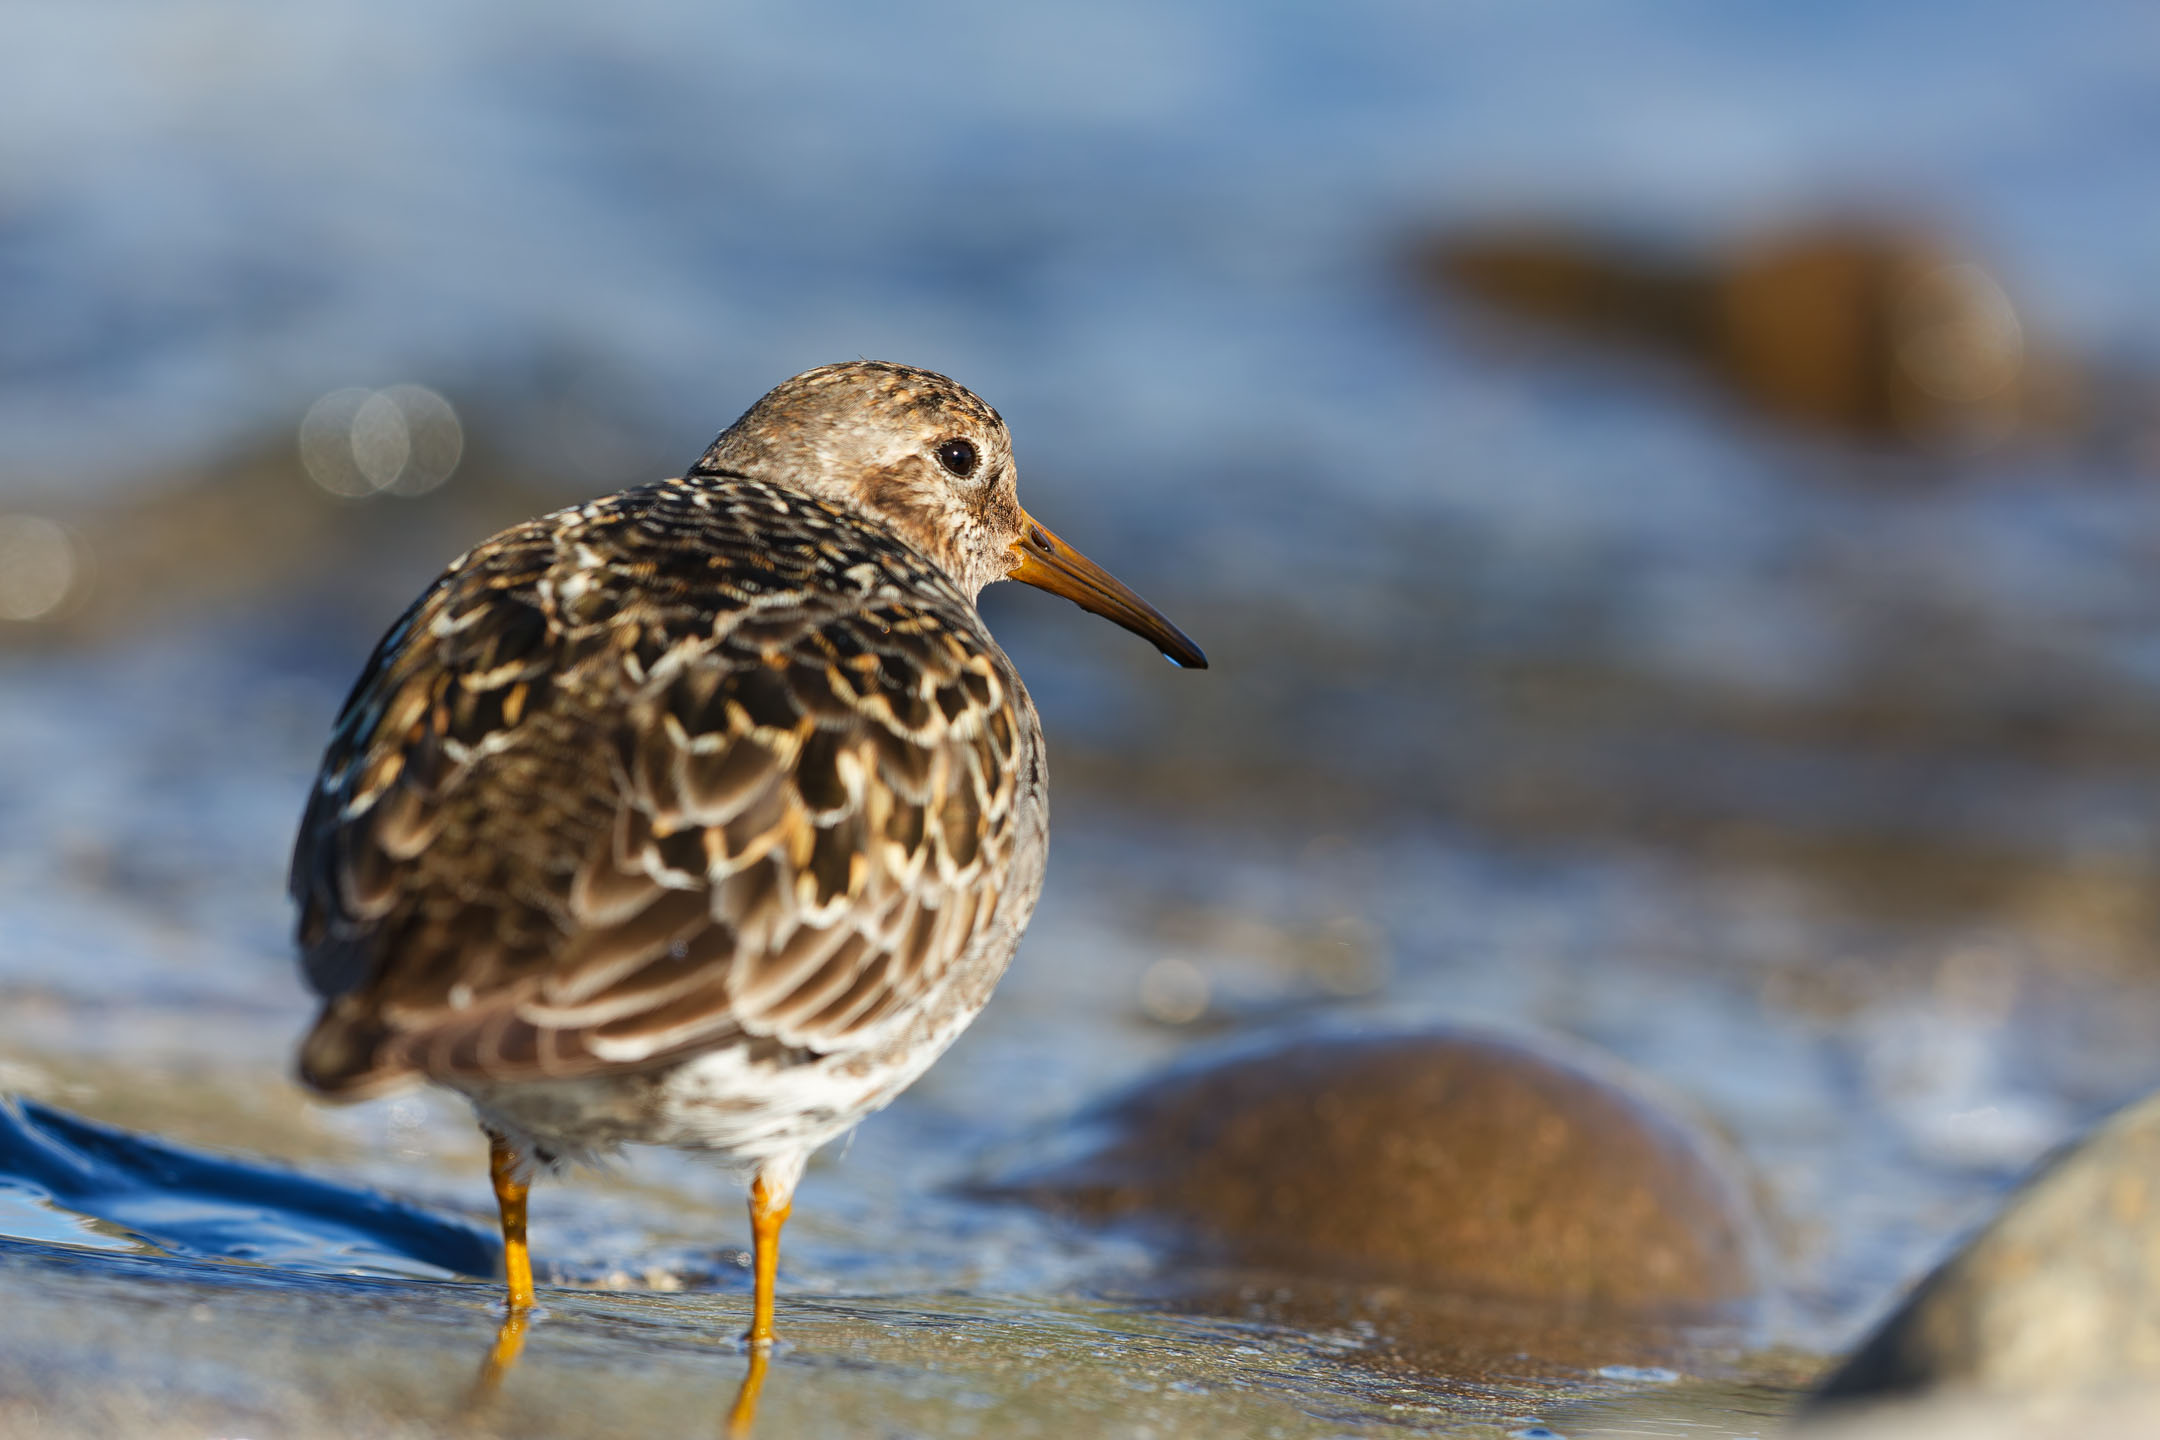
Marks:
<point>744,1104</point>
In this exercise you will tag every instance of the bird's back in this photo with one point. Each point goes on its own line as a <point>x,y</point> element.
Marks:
<point>705,764</point>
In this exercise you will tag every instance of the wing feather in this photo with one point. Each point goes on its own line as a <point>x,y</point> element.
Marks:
<point>653,775</point>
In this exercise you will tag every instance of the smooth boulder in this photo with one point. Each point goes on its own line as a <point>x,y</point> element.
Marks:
<point>2060,1293</point>
<point>1450,1160</point>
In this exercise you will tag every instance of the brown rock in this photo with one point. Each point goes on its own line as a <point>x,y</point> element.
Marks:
<point>1452,1161</point>
<point>1870,331</point>
<point>1866,328</point>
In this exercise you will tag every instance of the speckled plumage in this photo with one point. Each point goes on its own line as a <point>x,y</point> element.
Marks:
<point>708,764</point>
<point>705,814</point>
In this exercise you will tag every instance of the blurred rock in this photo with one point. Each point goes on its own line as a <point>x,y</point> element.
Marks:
<point>1458,1162</point>
<point>1874,331</point>
<point>255,530</point>
<point>2127,1412</point>
<point>2060,1294</point>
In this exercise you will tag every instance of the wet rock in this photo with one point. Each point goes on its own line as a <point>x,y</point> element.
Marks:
<point>2060,1293</point>
<point>1972,1416</point>
<point>251,530</point>
<point>1865,328</point>
<point>1453,1161</point>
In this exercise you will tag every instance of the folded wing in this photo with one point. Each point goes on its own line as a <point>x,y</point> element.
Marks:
<point>670,772</point>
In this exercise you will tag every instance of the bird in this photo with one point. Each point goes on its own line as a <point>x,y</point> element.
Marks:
<point>706,814</point>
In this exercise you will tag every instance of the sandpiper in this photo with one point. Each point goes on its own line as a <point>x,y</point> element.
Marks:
<point>706,814</point>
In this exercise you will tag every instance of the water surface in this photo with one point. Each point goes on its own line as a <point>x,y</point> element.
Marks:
<point>1550,692</point>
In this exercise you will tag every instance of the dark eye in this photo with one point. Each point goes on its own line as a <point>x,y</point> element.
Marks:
<point>957,456</point>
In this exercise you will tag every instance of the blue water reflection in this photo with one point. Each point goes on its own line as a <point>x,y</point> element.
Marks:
<point>187,1203</point>
<point>1177,216</point>
<point>1812,780</point>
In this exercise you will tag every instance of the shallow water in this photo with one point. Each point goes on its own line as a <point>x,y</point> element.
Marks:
<point>1885,1078</point>
<point>1815,782</point>
<point>325,1356</point>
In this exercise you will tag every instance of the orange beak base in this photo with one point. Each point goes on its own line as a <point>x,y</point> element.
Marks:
<point>1048,563</point>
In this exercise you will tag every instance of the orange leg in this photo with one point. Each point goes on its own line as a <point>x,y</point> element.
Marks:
<point>510,1199</point>
<point>771,1198</point>
<point>769,1209</point>
<point>517,1266</point>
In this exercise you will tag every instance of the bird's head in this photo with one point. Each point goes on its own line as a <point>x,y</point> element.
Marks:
<point>932,461</point>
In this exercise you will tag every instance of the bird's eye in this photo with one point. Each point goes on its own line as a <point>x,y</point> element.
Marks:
<point>957,456</point>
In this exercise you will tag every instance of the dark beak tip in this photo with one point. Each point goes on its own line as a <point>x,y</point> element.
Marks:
<point>1049,564</point>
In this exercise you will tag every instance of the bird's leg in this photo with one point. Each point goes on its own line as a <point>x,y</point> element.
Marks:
<point>769,1207</point>
<point>772,1196</point>
<point>510,1193</point>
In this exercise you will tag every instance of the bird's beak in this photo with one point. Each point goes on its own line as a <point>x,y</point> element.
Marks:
<point>1048,563</point>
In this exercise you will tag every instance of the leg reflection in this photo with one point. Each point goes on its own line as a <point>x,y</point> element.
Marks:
<point>743,1414</point>
<point>509,1343</point>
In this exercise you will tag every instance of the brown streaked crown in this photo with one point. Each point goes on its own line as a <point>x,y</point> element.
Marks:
<point>866,435</point>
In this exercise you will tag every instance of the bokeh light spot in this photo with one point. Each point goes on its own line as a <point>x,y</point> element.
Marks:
<point>1174,991</point>
<point>39,567</point>
<point>1958,335</point>
<point>381,443</point>
<point>434,440</point>
<point>405,440</point>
